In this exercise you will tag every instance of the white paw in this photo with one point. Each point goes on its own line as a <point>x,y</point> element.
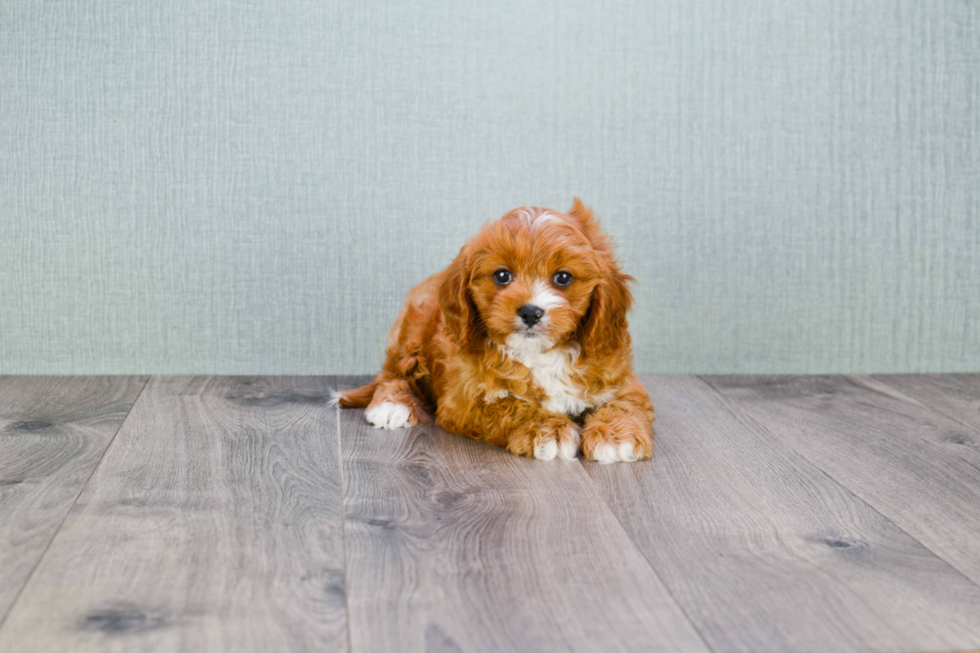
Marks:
<point>388,415</point>
<point>563,443</point>
<point>568,448</point>
<point>610,453</point>
<point>546,450</point>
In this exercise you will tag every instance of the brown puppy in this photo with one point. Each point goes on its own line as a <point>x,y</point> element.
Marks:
<point>522,341</point>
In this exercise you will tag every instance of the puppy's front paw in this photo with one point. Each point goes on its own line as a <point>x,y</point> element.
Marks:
<point>554,437</point>
<point>389,415</point>
<point>618,438</point>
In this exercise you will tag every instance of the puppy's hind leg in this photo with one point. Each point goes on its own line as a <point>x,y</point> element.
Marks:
<point>395,406</point>
<point>395,398</point>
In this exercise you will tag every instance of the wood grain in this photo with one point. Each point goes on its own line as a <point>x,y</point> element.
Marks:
<point>955,395</point>
<point>53,433</point>
<point>916,466</point>
<point>213,523</point>
<point>765,552</point>
<point>454,545</point>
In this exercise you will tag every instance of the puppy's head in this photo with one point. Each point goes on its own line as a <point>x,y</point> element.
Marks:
<point>535,278</point>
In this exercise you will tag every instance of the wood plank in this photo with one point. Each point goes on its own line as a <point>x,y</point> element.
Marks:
<point>955,395</point>
<point>764,552</point>
<point>456,545</point>
<point>53,432</point>
<point>213,523</point>
<point>917,467</point>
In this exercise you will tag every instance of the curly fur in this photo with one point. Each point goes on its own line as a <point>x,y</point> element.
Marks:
<point>459,351</point>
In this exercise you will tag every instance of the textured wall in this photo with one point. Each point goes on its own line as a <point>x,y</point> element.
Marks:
<point>192,186</point>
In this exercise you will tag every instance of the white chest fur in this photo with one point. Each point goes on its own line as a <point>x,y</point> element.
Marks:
<point>553,370</point>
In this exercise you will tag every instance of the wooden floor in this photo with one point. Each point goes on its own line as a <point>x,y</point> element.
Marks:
<point>822,514</point>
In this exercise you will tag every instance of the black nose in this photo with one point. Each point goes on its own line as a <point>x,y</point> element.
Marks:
<point>530,314</point>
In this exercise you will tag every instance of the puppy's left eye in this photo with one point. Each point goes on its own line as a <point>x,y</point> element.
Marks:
<point>562,279</point>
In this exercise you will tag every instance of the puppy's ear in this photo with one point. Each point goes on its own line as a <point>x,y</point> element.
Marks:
<point>579,211</point>
<point>459,312</point>
<point>604,330</point>
<point>590,227</point>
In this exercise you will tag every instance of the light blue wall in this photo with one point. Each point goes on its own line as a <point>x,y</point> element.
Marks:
<point>252,186</point>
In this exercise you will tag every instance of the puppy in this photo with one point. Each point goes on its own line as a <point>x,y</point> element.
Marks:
<point>522,341</point>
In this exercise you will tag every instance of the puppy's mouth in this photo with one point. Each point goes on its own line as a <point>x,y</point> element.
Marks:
<point>536,331</point>
<point>529,339</point>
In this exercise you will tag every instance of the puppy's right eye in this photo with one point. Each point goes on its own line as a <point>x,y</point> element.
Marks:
<point>502,277</point>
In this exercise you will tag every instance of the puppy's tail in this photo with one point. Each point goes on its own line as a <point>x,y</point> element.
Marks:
<point>356,398</point>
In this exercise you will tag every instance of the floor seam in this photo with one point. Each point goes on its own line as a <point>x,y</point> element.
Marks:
<point>27,581</point>
<point>820,469</point>
<point>930,407</point>
<point>343,518</point>
<point>643,555</point>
